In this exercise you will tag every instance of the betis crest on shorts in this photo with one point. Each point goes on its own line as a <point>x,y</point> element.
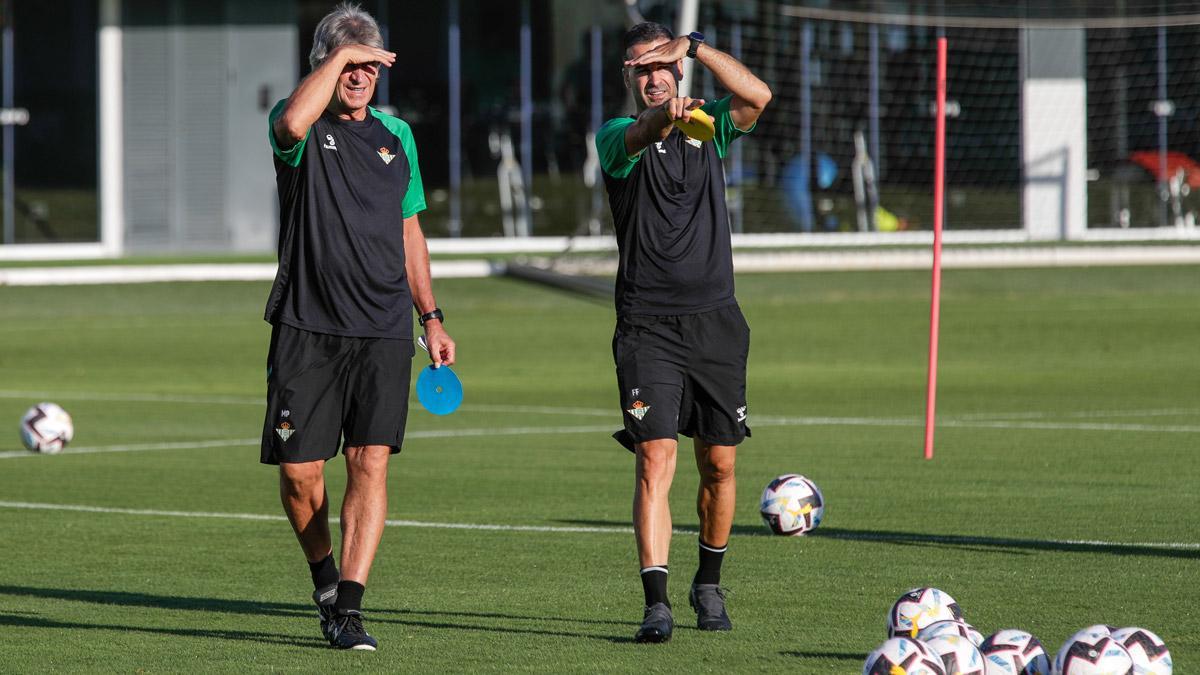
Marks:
<point>638,410</point>
<point>285,428</point>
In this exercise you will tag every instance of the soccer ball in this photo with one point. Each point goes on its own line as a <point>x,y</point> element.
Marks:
<point>792,505</point>
<point>46,427</point>
<point>903,655</point>
<point>1093,651</point>
<point>919,608</point>
<point>1149,653</point>
<point>1014,652</point>
<point>959,655</point>
<point>950,627</point>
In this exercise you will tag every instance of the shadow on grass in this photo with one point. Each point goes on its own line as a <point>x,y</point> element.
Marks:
<point>506,630</point>
<point>127,599</point>
<point>240,635</point>
<point>951,540</point>
<point>411,617</point>
<point>496,615</point>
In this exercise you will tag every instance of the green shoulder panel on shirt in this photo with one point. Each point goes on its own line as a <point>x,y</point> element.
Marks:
<point>290,156</point>
<point>414,197</point>
<point>610,146</point>
<point>727,131</point>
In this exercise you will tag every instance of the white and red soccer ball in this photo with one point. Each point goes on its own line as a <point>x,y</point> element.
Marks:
<point>792,505</point>
<point>903,655</point>
<point>959,655</point>
<point>46,428</point>
<point>950,627</point>
<point>920,608</point>
<point>1148,651</point>
<point>1093,651</point>
<point>1014,652</point>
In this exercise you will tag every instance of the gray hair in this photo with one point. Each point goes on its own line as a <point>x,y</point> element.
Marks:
<point>347,24</point>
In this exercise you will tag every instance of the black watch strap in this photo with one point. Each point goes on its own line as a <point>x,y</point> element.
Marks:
<point>429,316</point>
<point>696,39</point>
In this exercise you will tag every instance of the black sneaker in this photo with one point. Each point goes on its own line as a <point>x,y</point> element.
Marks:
<point>709,602</point>
<point>348,632</point>
<point>657,624</point>
<point>325,597</point>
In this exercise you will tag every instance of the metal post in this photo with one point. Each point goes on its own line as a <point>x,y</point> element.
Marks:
<point>873,101</point>
<point>455,86</point>
<point>689,13</point>
<point>1163,178</point>
<point>596,119</point>
<point>526,115</point>
<point>807,219</point>
<point>111,173</point>
<point>6,101</point>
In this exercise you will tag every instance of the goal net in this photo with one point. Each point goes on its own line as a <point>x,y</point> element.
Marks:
<point>848,141</point>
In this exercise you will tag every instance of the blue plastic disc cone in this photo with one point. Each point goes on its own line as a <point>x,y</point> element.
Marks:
<point>439,390</point>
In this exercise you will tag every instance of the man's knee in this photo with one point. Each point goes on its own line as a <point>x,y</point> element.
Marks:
<point>302,477</point>
<point>717,465</point>
<point>656,459</point>
<point>367,461</point>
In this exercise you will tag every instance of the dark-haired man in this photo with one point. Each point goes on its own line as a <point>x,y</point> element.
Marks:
<point>352,265</point>
<point>681,342</point>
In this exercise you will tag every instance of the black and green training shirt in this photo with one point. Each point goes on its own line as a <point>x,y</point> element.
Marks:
<point>344,192</point>
<point>668,205</point>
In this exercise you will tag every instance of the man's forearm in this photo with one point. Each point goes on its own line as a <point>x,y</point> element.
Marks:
<point>308,101</point>
<point>416,264</point>
<point>652,125</point>
<point>735,77</point>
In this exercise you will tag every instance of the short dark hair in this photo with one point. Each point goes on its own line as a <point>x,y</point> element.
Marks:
<point>647,31</point>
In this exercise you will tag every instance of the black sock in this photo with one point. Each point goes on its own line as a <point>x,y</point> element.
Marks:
<point>349,595</point>
<point>654,584</point>
<point>710,564</point>
<point>324,572</point>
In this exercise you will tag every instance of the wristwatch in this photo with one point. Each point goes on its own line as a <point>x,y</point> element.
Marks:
<point>430,316</point>
<point>696,40</point>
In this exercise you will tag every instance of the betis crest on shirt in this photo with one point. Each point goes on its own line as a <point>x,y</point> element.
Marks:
<point>386,155</point>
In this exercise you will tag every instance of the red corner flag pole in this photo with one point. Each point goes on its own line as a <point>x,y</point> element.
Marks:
<point>939,184</point>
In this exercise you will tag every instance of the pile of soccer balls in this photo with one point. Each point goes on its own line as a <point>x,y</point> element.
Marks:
<point>928,636</point>
<point>46,428</point>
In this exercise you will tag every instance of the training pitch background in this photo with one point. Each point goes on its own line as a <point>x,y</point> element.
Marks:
<point>1063,492</point>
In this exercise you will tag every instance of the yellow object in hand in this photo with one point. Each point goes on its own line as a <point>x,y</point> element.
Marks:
<point>699,127</point>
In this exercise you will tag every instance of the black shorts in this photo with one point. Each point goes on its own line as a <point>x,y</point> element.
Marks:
<point>325,388</point>
<point>683,375</point>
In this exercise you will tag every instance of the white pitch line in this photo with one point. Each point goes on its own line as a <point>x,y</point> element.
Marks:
<point>1162,412</point>
<point>771,421</point>
<point>511,431</point>
<point>137,447</point>
<point>864,536</point>
<point>541,410</point>
<point>83,508</point>
<point>1083,426</point>
<point>135,398</point>
<point>254,442</point>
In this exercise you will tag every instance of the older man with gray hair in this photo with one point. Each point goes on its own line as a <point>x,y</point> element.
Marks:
<point>353,264</point>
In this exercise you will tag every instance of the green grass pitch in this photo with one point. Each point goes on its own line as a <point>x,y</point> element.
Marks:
<point>1063,493</point>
